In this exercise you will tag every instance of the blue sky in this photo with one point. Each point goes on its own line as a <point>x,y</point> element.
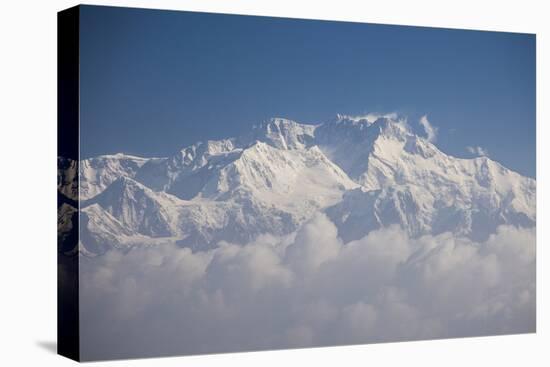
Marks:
<point>153,82</point>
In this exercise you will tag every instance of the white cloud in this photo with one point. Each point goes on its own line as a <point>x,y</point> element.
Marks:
<point>306,289</point>
<point>478,151</point>
<point>315,244</point>
<point>370,117</point>
<point>429,129</point>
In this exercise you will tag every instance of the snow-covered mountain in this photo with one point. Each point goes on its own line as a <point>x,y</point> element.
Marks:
<point>363,172</point>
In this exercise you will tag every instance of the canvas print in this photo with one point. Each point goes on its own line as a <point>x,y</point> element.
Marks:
<point>233,183</point>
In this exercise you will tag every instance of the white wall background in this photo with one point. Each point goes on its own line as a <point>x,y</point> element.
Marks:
<point>28,181</point>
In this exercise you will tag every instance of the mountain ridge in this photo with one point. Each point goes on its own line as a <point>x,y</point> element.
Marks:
<point>364,172</point>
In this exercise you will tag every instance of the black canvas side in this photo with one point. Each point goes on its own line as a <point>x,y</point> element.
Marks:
<point>68,343</point>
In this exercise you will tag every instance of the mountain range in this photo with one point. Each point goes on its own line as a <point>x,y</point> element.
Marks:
<point>364,173</point>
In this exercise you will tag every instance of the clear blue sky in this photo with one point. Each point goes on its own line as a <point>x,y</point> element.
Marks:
<point>153,82</point>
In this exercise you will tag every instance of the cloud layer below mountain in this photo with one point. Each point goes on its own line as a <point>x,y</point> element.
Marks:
<point>306,289</point>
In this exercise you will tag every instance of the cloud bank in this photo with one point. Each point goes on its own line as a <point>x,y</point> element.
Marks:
<point>429,129</point>
<point>306,289</point>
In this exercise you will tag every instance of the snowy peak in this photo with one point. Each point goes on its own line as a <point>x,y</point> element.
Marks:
<point>367,128</point>
<point>124,188</point>
<point>197,155</point>
<point>274,174</point>
<point>350,142</point>
<point>137,207</point>
<point>185,173</point>
<point>98,173</point>
<point>362,129</point>
<point>284,134</point>
<point>420,146</point>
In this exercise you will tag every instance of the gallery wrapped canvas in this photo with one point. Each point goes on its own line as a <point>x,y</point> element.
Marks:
<point>233,183</point>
